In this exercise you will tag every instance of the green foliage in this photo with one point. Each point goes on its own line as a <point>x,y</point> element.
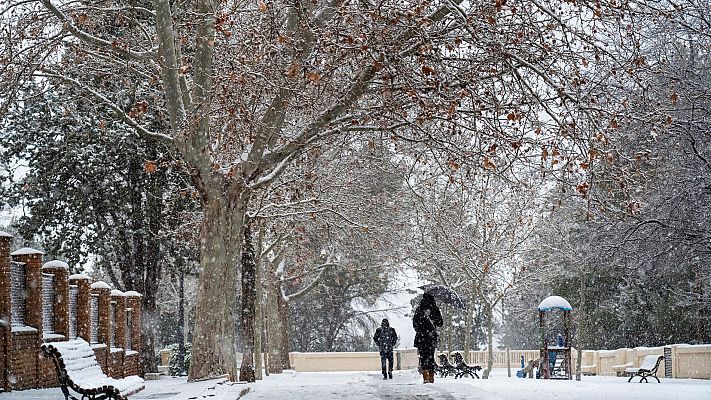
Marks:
<point>173,366</point>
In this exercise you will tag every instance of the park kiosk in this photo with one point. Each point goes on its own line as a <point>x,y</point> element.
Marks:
<point>556,360</point>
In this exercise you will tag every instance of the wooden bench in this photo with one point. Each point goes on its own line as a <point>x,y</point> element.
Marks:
<point>463,368</point>
<point>77,369</point>
<point>649,367</point>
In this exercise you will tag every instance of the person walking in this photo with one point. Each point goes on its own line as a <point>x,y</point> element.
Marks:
<point>386,337</point>
<point>425,320</point>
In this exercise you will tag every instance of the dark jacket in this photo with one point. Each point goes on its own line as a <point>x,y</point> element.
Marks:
<point>385,337</point>
<point>425,320</point>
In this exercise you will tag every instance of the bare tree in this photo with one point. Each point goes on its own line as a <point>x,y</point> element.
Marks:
<point>247,89</point>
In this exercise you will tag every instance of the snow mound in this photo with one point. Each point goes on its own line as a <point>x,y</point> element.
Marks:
<point>100,285</point>
<point>25,251</point>
<point>552,302</point>
<point>132,293</point>
<point>79,276</point>
<point>56,264</point>
<point>5,234</point>
<point>117,292</point>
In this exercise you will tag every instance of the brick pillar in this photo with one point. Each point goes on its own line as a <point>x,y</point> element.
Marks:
<point>103,290</point>
<point>60,270</point>
<point>33,268</point>
<point>5,309</point>
<point>120,327</point>
<point>83,305</point>
<point>133,301</point>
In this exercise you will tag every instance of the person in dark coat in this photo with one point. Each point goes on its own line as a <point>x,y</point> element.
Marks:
<point>425,320</point>
<point>386,337</point>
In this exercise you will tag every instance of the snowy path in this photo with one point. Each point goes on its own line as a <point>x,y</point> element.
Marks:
<point>406,385</point>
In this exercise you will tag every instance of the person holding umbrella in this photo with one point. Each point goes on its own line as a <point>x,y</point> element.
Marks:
<point>425,320</point>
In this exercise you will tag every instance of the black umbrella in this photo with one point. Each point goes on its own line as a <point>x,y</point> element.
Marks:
<point>444,294</point>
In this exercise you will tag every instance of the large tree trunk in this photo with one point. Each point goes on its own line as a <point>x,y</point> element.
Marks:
<point>490,340</point>
<point>468,326</point>
<point>258,324</point>
<point>278,333</point>
<point>214,352</point>
<point>249,296</point>
<point>181,319</point>
<point>152,266</point>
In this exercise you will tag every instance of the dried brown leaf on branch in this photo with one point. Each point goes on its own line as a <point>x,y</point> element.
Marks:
<point>150,167</point>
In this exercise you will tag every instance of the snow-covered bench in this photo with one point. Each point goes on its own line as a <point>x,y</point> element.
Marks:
<point>463,368</point>
<point>621,368</point>
<point>77,369</point>
<point>649,367</point>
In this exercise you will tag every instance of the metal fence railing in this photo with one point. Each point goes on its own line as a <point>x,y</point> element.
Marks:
<point>94,318</point>
<point>112,336</point>
<point>18,293</point>
<point>73,297</point>
<point>129,329</point>
<point>47,303</point>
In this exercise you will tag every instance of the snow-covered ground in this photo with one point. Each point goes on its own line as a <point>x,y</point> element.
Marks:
<point>406,385</point>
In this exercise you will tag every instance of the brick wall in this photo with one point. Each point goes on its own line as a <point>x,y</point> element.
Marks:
<point>101,352</point>
<point>23,360</point>
<point>5,336</point>
<point>131,362</point>
<point>116,363</point>
<point>22,366</point>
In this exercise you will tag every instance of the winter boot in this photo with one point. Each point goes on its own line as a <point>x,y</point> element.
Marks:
<point>425,377</point>
<point>385,374</point>
<point>390,374</point>
<point>430,375</point>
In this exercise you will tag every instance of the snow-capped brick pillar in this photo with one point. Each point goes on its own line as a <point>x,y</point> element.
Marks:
<point>133,301</point>
<point>133,365</point>
<point>33,271</point>
<point>5,309</point>
<point>83,305</point>
<point>60,270</point>
<point>24,359</point>
<point>118,319</point>
<point>104,291</point>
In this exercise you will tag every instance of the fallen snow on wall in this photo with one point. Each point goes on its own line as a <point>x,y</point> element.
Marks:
<point>406,385</point>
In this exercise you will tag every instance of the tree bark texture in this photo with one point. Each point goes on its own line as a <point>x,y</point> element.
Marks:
<point>490,341</point>
<point>278,333</point>
<point>249,295</point>
<point>468,326</point>
<point>214,351</point>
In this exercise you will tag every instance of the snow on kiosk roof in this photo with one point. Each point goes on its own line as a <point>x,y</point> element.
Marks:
<point>552,302</point>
